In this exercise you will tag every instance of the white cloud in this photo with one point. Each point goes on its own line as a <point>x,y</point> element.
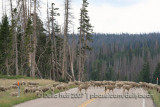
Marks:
<point>140,17</point>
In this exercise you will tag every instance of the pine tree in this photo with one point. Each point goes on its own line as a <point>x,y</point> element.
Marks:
<point>85,36</point>
<point>145,73</point>
<point>156,74</point>
<point>110,74</point>
<point>5,44</point>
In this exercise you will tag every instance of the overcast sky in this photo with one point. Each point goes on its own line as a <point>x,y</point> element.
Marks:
<point>114,16</point>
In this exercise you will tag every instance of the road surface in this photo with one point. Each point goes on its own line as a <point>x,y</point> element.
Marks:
<point>95,97</point>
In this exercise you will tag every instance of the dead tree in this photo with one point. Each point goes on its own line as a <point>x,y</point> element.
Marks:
<point>64,63</point>
<point>34,39</point>
<point>72,55</point>
<point>15,37</point>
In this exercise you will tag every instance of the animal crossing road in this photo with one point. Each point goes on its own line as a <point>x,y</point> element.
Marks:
<point>95,97</point>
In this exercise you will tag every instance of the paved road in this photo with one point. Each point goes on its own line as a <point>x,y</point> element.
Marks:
<point>95,97</point>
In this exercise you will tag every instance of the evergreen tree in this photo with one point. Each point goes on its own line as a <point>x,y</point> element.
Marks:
<point>110,74</point>
<point>156,74</point>
<point>5,44</point>
<point>145,73</point>
<point>85,37</point>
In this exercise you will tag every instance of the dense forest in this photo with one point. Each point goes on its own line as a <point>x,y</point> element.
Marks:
<point>133,57</point>
<point>32,47</point>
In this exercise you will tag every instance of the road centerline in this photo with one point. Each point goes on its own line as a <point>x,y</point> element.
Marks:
<point>90,100</point>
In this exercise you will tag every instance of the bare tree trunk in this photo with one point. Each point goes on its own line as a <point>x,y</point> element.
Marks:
<point>7,66</point>
<point>72,55</point>
<point>52,73</point>
<point>24,23</point>
<point>54,41</point>
<point>11,9</point>
<point>17,70</point>
<point>34,40</point>
<point>15,40</point>
<point>80,51</point>
<point>65,38</point>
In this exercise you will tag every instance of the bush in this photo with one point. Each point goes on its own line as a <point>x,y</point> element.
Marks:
<point>62,80</point>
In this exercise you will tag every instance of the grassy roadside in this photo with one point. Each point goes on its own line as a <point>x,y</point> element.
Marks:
<point>6,100</point>
<point>155,97</point>
<point>15,77</point>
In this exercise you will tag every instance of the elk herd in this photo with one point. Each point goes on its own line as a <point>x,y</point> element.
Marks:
<point>34,87</point>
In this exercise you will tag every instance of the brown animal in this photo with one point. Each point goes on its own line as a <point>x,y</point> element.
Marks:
<point>143,85</point>
<point>45,89</point>
<point>27,90</point>
<point>62,87</point>
<point>39,93</point>
<point>84,86</point>
<point>98,84</point>
<point>23,83</point>
<point>55,84</point>
<point>33,89</point>
<point>8,88</point>
<point>134,85</point>
<point>77,83</point>
<point>33,83</point>
<point>52,89</point>
<point>127,87</point>
<point>119,85</point>
<point>2,89</point>
<point>13,86</point>
<point>109,87</point>
<point>71,83</point>
<point>111,83</point>
<point>14,94</point>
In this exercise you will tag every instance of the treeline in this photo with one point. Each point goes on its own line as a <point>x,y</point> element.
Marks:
<point>133,57</point>
<point>29,48</point>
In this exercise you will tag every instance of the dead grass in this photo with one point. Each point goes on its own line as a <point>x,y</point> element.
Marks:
<point>6,100</point>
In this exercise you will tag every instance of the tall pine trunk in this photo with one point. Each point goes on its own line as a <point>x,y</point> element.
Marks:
<point>34,40</point>
<point>64,63</point>
<point>15,40</point>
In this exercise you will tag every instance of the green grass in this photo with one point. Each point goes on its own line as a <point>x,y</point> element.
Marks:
<point>155,97</point>
<point>14,77</point>
<point>6,100</point>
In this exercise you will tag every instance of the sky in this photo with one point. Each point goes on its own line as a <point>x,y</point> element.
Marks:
<point>113,16</point>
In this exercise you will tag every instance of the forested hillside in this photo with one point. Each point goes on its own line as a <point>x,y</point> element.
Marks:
<point>30,46</point>
<point>124,57</point>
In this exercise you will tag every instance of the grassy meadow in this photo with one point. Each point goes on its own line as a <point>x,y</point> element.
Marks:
<point>6,100</point>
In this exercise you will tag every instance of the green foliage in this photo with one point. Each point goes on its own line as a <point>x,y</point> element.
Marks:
<point>95,75</point>
<point>5,42</point>
<point>62,80</point>
<point>85,26</point>
<point>156,74</point>
<point>110,74</point>
<point>27,38</point>
<point>145,73</point>
<point>95,71</point>
<point>155,97</point>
